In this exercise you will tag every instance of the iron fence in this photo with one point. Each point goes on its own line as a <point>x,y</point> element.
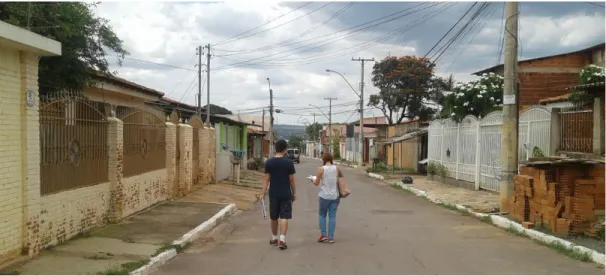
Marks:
<point>73,143</point>
<point>576,132</point>
<point>144,143</point>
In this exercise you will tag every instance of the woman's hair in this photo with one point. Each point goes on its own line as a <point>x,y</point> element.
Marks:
<point>326,158</point>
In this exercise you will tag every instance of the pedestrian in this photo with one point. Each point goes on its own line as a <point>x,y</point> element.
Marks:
<point>332,188</point>
<point>280,172</point>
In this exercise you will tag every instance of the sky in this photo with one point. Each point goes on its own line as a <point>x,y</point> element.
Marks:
<point>293,43</point>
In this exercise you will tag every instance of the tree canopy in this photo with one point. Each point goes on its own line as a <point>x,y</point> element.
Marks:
<point>477,98</point>
<point>219,110</point>
<point>295,141</point>
<point>86,41</point>
<point>405,85</point>
<point>313,131</point>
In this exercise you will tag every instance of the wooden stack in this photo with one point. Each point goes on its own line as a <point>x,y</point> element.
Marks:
<point>566,199</point>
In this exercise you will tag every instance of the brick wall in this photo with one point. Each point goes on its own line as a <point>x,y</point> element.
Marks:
<point>11,147</point>
<point>185,160</point>
<point>537,86</point>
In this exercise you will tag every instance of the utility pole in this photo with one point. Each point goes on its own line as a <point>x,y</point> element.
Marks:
<point>271,120</point>
<point>361,142</point>
<point>330,123</point>
<point>509,130</point>
<point>312,128</point>
<point>199,81</point>
<point>207,84</point>
<point>263,131</point>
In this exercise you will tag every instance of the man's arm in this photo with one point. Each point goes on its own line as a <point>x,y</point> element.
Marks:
<point>291,178</point>
<point>265,183</point>
<point>265,180</point>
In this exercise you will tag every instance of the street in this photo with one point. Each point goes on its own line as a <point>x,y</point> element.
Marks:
<point>380,230</point>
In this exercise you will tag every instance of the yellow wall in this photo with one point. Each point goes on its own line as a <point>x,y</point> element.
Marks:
<point>12,132</point>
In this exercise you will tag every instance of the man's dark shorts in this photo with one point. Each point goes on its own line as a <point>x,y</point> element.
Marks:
<point>280,208</point>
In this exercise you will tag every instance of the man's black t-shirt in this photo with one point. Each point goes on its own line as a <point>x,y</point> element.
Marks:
<point>279,170</point>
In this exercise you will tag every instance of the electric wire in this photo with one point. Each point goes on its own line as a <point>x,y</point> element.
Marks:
<point>267,47</point>
<point>236,37</point>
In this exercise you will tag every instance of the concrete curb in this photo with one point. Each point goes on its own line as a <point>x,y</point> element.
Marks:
<point>505,223</point>
<point>189,237</point>
<point>375,176</point>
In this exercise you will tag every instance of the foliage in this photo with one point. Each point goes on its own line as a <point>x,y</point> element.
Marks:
<point>313,131</point>
<point>432,168</point>
<point>85,41</point>
<point>336,149</point>
<point>435,168</point>
<point>378,168</point>
<point>295,141</point>
<point>218,110</point>
<point>477,98</point>
<point>404,87</point>
<point>590,74</point>
<point>439,86</point>
<point>537,152</point>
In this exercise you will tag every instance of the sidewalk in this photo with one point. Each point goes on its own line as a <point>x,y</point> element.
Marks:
<point>124,247</point>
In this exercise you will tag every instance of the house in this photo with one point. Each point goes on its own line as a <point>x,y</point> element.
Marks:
<point>232,132</point>
<point>338,132</point>
<point>549,76</point>
<point>578,130</point>
<point>353,143</point>
<point>407,145</point>
<point>258,140</point>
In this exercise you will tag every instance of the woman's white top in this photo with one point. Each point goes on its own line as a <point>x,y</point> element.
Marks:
<point>328,186</point>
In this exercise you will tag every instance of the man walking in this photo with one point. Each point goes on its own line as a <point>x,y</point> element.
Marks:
<point>280,172</point>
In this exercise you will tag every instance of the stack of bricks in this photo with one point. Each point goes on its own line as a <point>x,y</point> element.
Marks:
<point>567,199</point>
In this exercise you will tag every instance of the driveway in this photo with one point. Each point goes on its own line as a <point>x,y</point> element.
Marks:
<point>380,230</point>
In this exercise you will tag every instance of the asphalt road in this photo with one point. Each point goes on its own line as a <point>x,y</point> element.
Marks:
<point>380,230</point>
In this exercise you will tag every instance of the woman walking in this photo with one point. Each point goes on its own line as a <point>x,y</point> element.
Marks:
<point>332,188</point>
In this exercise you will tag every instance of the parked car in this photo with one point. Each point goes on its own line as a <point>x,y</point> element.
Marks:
<point>293,155</point>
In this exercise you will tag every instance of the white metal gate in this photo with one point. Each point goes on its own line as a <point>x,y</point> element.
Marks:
<point>490,151</point>
<point>534,131</point>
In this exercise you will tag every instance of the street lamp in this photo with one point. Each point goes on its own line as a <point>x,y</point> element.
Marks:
<point>329,117</point>
<point>361,96</point>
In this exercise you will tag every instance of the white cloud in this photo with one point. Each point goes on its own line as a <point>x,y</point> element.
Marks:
<point>169,32</point>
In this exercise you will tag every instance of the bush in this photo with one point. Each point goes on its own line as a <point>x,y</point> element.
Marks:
<point>432,168</point>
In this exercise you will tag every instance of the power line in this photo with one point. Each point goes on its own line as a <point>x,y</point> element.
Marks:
<point>334,39</point>
<point>239,52</point>
<point>501,37</point>
<point>451,28</point>
<point>234,38</point>
<point>596,4</point>
<point>159,64</point>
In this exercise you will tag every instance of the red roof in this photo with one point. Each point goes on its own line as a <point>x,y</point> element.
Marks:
<point>130,84</point>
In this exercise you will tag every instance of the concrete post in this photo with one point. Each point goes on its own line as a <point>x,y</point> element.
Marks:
<point>598,127</point>
<point>555,130</point>
<point>171,159</point>
<point>478,155</point>
<point>116,158</point>
<point>185,160</point>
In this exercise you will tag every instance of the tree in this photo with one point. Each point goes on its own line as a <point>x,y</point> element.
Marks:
<point>404,87</point>
<point>439,87</point>
<point>218,110</point>
<point>85,41</point>
<point>295,141</point>
<point>313,131</point>
<point>476,98</point>
<point>336,147</point>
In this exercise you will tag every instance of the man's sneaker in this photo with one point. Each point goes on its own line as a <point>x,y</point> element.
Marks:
<point>322,238</point>
<point>273,242</point>
<point>282,245</point>
<point>331,240</point>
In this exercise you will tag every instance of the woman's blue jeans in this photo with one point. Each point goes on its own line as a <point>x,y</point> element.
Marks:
<point>328,207</point>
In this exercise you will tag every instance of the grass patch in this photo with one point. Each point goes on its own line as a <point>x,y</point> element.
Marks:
<point>512,230</point>
<point>396,186</point>
<point>125,268</point>
<point>164,248</point>
<point>486,219</point>
<point>570,252</point>
<point>9,272</point>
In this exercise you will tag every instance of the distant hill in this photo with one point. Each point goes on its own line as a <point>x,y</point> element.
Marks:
<point>283,131</point>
